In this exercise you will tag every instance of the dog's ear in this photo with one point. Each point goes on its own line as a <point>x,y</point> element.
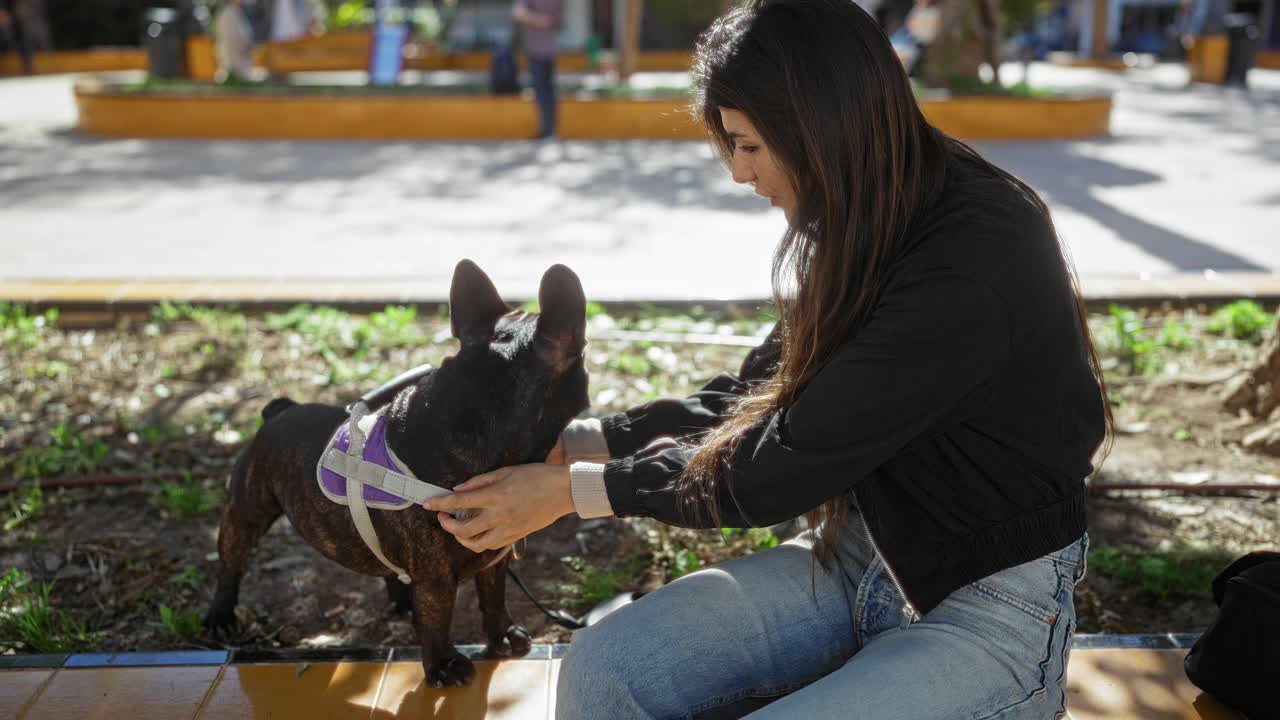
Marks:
<point>562,322</point>
<point>474,304</point>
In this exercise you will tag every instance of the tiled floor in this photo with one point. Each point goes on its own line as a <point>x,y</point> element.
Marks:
<point>1126,682</point>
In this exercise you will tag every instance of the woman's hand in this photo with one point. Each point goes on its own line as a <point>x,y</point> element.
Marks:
<point>508,503</point>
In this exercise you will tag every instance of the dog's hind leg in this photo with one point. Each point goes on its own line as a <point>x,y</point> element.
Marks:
<point>401,595</point>
<point>505,638</point>
<point>249,511</point>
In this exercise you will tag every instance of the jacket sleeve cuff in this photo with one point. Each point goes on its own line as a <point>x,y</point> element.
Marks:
<point>583,441</point>
<point>586,483</point>
<point>616,430</point>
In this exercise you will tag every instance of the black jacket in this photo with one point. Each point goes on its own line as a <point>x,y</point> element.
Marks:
<point>962,416</point>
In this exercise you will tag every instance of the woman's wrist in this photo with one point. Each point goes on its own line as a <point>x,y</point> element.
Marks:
<point>589,496</point>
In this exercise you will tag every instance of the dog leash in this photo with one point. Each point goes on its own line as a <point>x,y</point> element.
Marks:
<point>559,617</point>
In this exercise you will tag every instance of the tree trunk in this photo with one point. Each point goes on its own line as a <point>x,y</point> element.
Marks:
<point>631,38</point>
<point>962,44</point>
<point>1258,394</point>
<point>1100,50</point>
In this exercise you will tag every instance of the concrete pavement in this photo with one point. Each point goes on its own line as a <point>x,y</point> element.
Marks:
<point>1189,181</point>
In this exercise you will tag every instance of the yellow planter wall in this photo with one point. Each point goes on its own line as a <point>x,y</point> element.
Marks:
<point>74,61</point>
<point>501,118</point>
<point>997,118</point>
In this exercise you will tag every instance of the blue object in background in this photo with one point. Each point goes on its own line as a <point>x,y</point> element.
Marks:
<point>387,57</point>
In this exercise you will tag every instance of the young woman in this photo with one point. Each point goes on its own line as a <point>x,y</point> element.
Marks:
<point>930,398</point>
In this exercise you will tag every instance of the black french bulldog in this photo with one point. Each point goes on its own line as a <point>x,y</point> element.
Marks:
<point>515,382</point>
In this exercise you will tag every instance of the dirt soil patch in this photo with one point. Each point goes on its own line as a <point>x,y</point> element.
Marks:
<point>174,399</point>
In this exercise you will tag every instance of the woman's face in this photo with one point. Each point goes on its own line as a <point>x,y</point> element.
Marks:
<point>755,164</point>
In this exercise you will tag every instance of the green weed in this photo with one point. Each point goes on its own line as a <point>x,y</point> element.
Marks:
<point>1131,345</point>
<point>22,331</point>
<point>1181,573</point>
<point>1176,335</point>
<point>184,625</point>
<point>682,562</point>
<point>22,505</point>
<point>186,498</point>
<point>68,454</point>
<point>594,585</point>
<point>1242,320</point>
<point>189,577</point>
<point>27,617</point>
<point>631,364</point>
<point>50,370</point>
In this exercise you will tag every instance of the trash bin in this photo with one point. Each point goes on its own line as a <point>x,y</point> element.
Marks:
<point>164,37</point>
<point>1245,39</point>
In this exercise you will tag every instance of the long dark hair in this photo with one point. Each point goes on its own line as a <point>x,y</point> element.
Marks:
<point>821,84</point>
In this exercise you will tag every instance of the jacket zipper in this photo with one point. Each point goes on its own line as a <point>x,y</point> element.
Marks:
<point>909,614</point>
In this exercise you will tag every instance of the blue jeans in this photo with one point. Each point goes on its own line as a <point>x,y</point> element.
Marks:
<point>776,636</point>
<point>543,70</point>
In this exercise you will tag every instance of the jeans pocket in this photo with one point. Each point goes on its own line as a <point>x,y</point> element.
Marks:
<point>1032,587</point>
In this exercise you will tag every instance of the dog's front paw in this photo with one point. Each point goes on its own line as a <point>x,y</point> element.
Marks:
<point>450,671</point>
<point>514,643</point>
<point>220,623</point>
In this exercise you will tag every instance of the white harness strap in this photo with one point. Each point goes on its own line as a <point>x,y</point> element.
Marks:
<point>360,472</point>
<point>355,494</point>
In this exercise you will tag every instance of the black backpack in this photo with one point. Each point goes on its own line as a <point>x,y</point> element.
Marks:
<point>504,78</point>
<point>1237,660</point>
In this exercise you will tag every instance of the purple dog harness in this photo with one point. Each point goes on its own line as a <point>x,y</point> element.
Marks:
<point>358,470</point>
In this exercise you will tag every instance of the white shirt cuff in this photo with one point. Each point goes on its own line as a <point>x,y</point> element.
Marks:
<point>583,441</point>
<point>586,483</point>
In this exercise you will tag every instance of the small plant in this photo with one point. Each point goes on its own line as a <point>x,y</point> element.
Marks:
<point>153,435</point>
<point>1176,335</point>
<point>22,331</point>
<point>1182,435</point>
<point>1129,342</point>
<point>631,364</point>
<point>683,562</point>
<point>68,453</point>
<point>762,539</point>
<point>23,505</point>
<point>183,625</point>
<point>1181,573</point>
<point>27,617</point>
<point>189,577</point>
<point>595,585</point>
<point>186,498</point>
<point>1242,320</point>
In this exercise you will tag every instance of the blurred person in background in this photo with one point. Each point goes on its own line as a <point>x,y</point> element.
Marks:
<point>291,19</point>
<point>539,20</point>
<point>235,41</point>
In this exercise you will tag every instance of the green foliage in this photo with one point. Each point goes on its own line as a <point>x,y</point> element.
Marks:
<point>594,585</point>
<point>1179,574</point>
<point>153,435</point>
<point>759,538</point>
<point>762,538</point>
<point>183,625</point>
<point>189,577</point>
<point>186,498</point>
<point>26,616</point>
<point>336,335</point>
<point>21,331</point>
<point>1130,343</point>
<point>22,505</point>
<point>631,364</point>
<point>1176,335</point>
<point>1242,320</point>
<point>68,454</point>
<point>682,562</point>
